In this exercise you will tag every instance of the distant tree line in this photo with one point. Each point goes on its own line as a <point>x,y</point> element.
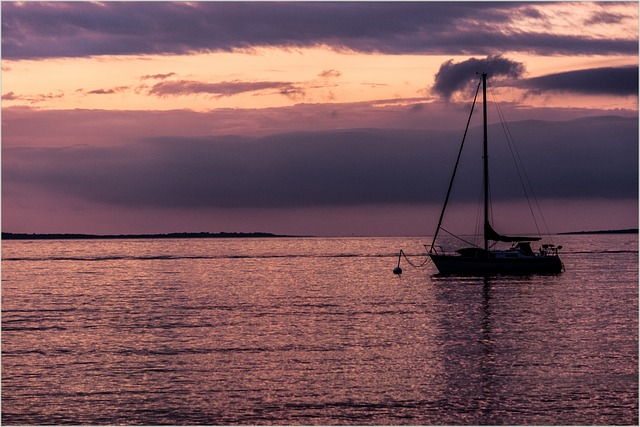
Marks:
<point>625,231</point>
<point>74,236</point>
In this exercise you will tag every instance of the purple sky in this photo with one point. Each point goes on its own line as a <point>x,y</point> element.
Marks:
<point>308,118</point>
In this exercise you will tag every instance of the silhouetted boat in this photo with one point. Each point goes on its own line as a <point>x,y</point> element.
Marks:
<point>519,259</point>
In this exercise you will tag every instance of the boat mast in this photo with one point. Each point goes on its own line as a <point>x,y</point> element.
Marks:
<point>485,156</point>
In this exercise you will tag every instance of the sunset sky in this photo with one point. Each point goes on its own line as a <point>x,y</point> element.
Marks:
<point>321,118</point>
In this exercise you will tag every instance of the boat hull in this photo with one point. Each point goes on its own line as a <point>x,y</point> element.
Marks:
<point>458,264</point>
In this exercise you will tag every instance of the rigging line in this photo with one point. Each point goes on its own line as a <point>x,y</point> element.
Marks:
<point>517,160</point>
<point>512,142</point>
<point>515,155</point>
<point>459,238</point>
<point>455,168</point>
<point>519,163</point>
<point>533,194</point>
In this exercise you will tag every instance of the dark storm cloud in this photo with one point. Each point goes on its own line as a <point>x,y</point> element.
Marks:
<point>586,158</point>
<point>621,81</point>
<point>453,77</point>
<point>71,29</point>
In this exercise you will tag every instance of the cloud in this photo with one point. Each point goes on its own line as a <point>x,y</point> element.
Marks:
<point>453,77</point>
<point>293,93</point>
<point>34,127</point>
<point>72,29</point>
<point>101,92</point>
<point>10,96</point>
<point>157,76</point>
<point>620,81</point>
<point>585,158</point>
<point>32,99</point>
<point>190,87</point>
<point>604,18</point>
<point>330,74</point>
<point>111,91</point>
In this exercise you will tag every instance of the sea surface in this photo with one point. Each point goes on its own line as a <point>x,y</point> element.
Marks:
<point>313,331</point>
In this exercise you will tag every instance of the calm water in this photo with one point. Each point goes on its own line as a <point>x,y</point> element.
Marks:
<point>312,331</point>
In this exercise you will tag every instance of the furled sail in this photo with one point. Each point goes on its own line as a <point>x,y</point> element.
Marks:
<point>491,234</point>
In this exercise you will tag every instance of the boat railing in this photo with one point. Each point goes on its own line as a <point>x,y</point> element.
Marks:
<point>549,249</point>
<point>545,250</point>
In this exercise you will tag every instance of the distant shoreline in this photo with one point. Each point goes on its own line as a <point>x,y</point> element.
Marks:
<point>207,235</point>
<point>624,231</point>
<point>202,235</point>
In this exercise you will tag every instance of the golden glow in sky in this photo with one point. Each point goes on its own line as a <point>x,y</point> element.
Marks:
<point>303,75</point>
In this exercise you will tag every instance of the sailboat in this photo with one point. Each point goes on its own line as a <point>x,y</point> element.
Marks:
<point>518,259</point>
